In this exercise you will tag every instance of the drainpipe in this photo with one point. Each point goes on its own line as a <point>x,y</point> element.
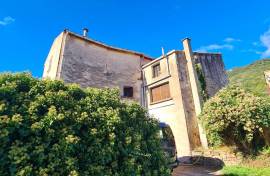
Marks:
<point>143,84</point>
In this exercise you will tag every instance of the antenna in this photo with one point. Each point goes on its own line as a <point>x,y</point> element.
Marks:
<point>162,50</point>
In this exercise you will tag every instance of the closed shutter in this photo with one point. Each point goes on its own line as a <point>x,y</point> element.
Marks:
<point>160,93</point>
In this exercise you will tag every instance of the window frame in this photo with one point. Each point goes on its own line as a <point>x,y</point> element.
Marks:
<point>161,100</point>
<point>132,92</point>
<point>154,73</point>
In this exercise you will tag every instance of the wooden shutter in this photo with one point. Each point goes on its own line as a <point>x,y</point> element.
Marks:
<point>160,93</point>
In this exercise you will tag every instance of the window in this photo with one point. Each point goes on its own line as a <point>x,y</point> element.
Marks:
<point>156,70</point>
<point>160,93</point>
<point>128,92</point>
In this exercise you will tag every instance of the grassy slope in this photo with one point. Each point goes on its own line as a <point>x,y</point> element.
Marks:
<point>245,171</point>
<point>251,77</point>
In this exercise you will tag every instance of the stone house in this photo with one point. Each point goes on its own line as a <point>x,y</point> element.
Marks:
<point>172,87</point>
<point>267,80</point>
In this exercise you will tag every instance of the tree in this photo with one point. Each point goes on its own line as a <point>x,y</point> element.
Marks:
<point>237,117</point>
<point>49,128</point>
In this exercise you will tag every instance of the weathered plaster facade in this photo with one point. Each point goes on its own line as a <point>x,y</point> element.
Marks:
<point>93,64</point>
<point>178,111</point>
<point>78,59</point>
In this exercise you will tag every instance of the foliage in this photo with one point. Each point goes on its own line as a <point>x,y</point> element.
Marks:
<point>202,82</point>
<point>251,77</point>
<point>245,171</point>
<point>266,151</point>
<point>48,128</point>
<point>236,117</point>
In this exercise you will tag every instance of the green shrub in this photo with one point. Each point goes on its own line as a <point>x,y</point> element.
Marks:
<point>48,128</point>
<point>236,117</point>
<point>265,151</point>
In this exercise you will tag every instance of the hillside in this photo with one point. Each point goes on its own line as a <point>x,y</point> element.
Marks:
<point>251,77</point>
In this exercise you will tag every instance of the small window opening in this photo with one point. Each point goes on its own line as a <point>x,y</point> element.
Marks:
<point>128,92</point>
<point>156,70</point>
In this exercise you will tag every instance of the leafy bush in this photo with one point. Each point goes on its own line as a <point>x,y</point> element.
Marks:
<point>236,117</point>
<point>266,151</point>
<point>48,128</point>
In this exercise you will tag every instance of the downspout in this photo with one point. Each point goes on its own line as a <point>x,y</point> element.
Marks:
<point>143,84</point>
<point>168,66</point>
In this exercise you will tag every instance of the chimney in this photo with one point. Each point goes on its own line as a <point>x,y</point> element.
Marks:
<point>195,88</point>
<point>192,75</point>
<point>85,32</point>
<point>187,47</point>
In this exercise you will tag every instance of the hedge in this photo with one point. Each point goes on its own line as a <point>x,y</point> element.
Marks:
<point>236,117</point>
<point>49,128</point>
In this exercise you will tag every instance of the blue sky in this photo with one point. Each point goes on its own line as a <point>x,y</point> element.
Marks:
<point>240,30</point>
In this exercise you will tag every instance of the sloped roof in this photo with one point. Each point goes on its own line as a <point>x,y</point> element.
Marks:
<point>107,46</point>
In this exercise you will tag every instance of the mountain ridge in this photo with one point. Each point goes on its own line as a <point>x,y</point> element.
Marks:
<point>251,77</point>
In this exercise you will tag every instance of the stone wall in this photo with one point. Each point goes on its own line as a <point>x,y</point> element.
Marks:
<point>77,59</point>
<point>188,101</point>
<point>214,71</point>
<point>92,65</point>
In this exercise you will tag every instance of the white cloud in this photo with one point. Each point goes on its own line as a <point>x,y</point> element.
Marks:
<point>215,47</point>
<point>230,39</point>
<point>7,20</point>
<point>252,51</point>
<point>265,40</point>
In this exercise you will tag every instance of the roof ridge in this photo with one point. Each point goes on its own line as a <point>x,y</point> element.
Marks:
<point>108,46</point>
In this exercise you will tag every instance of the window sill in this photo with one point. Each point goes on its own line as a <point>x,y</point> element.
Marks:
<point>127,97</point>
<point>155,77</point>
<point>161,101</point>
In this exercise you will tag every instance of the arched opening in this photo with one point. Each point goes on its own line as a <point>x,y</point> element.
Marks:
<point>168,143</point>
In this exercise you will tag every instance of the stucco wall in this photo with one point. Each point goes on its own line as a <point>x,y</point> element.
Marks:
<point>91,65</point>
<point>172,111</point>
<point>214,71</point>
<point>52,60</point>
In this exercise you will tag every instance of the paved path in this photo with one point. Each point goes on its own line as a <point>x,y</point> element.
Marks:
<point>195,171</point>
